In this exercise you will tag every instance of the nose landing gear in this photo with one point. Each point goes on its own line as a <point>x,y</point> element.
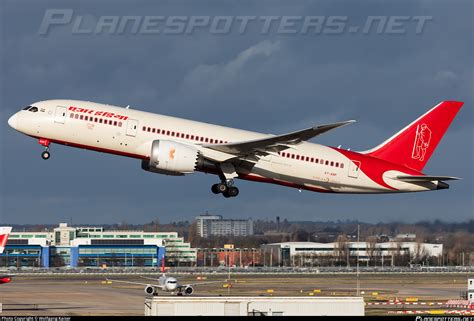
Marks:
<point>45,142</point>
<point>45,155</point>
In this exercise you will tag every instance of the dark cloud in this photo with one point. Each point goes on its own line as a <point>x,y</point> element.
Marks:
<point>269,83</point>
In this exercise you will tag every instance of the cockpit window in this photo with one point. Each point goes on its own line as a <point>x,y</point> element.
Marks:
<point>27,107</point>
<point>33,109</point>
<point>172,282</point>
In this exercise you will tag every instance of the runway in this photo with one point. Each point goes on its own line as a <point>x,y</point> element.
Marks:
<point>88,295</point>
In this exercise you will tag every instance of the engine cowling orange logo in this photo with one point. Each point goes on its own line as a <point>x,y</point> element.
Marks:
<point>171,153</point>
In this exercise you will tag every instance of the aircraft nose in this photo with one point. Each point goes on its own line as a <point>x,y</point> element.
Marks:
<point>13,121</point>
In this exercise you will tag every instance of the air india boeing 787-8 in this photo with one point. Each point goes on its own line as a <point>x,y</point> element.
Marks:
<point>175,146</point>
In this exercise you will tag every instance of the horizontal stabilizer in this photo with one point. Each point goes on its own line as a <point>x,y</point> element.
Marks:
<point>408,178</point>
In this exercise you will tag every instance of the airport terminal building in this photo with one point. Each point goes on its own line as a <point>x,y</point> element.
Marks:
<point>302,253</point>
<point>67,246</point>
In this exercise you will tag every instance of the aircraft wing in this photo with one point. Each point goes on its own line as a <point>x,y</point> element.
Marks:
<point>147,278</point>
<point>273,144</point>
<point>201,283</point>
<point>422,178</point>
<point>137,283</point>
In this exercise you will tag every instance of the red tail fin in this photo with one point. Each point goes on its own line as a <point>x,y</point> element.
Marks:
<point>413,145</point>
<point>4,232</point>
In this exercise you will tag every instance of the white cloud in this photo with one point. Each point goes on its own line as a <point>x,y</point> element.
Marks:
<point>211,77</point>
<point>446,76</point>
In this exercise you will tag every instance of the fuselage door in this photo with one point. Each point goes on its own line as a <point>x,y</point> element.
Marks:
<point>60,115</point>
<point>354,169</point>
<point>132,127</point>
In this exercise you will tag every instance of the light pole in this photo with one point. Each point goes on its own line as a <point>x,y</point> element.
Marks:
<point>358,250</point>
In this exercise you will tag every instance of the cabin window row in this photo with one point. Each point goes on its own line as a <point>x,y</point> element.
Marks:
<point>312,159</point>
<point>182,135</point>
<point>96,120</point>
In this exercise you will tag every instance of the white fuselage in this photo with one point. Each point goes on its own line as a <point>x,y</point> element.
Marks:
<point>130,132</point>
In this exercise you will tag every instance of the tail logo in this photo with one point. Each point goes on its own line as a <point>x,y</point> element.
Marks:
<point>422,142</point>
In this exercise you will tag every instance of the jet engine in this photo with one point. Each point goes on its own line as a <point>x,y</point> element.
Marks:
<point>188,290</point>
<point>150,290</point>
<point>171,158</point>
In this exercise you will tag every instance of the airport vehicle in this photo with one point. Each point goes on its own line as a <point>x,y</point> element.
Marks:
<point>4,233</point>
<point>176,146</point>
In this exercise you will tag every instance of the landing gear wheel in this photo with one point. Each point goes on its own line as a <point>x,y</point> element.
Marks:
<point>233,191</point>
<point>214,189</point>
<point>45,155</point>
<point>222,188</point>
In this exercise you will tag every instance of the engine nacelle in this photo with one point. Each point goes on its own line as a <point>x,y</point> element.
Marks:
<point>188,290</point>
<point>150,290</point>
<point>171,158</point>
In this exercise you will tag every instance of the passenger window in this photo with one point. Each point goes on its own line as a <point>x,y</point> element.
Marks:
<point>342,165</point>
<point>144,128</point>
<point>332,163</point>
<point>76,116</point>
<point>120,124</point>
<point>72,115</point>
<point>82,117</point>
<point>100,121</point>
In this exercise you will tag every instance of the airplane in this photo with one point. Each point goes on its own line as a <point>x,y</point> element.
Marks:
<point>166,284</point>
<point>175,146</point>
<point>4,233</point>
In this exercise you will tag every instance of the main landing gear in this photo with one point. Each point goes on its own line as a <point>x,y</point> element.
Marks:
<point>45,142</point>
<point>227,189</point>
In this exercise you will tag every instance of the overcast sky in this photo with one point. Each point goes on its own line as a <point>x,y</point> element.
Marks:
<point>268,82</point>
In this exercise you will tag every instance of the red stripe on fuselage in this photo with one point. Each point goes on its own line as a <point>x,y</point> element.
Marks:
<point>5,280</point>
<point>249,177</point>
<point>262,179</point>
<point>94,148</point>
<point>374,168</point>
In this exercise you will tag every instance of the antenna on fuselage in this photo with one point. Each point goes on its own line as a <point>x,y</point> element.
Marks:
<point>128,107</point>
